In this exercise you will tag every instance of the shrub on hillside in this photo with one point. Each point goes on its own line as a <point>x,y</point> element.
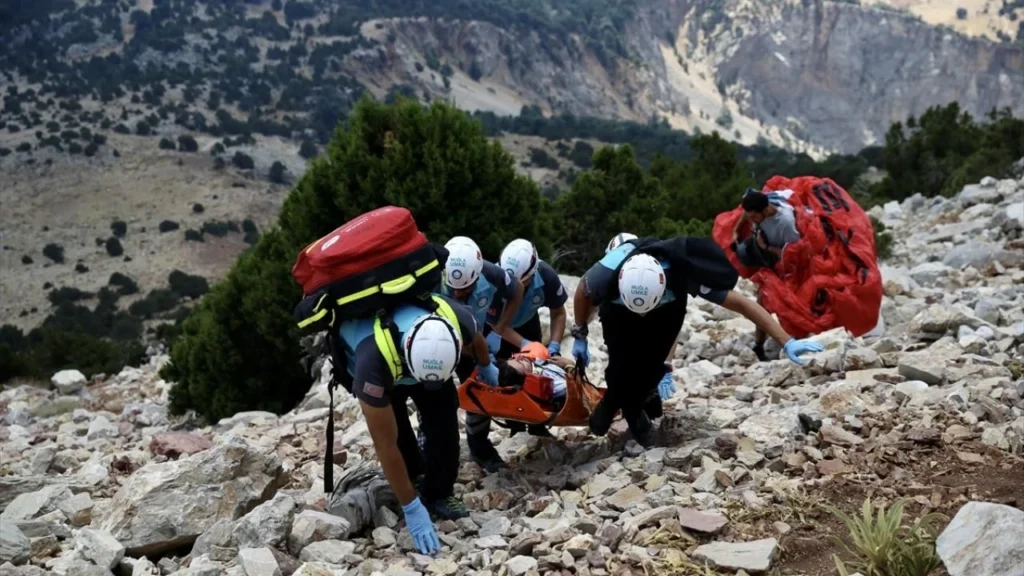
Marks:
<point>436,161</point>
<point>114,248</point>
<point>198,208</point>
<point>168,226</point>
<point>540,158</point>
<point>67,295</point>
<point>119,228</point>
<point>166,144</point>
<point>308,150</point>
<point>218,228</point>
<point>125,285</point>
<point>193,235</point>
<point>252,233</point>
<point>277,172</point>
<point>54,252</point>
<point>243,161</point>
<point>187,285</point>
<point>72,336</point>
<point>187,144</point>
<point>81,268</point>
<point>883,239</point>
<point>156,302</point>
<point>26,259</point>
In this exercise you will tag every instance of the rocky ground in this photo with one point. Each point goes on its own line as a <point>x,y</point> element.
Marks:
<point>96,478</point>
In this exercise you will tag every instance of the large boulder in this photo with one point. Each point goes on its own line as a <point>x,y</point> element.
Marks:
<point>168,505</point>
<point>983,538</point>
<point>68,381</point>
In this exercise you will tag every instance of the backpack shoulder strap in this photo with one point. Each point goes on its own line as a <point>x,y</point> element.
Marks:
<point>385,334</point>
<point>445,310</point>
<point>641,248</point>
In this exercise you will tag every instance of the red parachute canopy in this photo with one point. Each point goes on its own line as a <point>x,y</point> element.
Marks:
<point>830,277</point>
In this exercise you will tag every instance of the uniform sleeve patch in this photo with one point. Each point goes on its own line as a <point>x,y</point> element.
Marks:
<point>373,390</point>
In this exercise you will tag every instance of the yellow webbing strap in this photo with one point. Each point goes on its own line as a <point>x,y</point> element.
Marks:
<point>386,344</point>
<point>395,286</point>
<point>320,313</point>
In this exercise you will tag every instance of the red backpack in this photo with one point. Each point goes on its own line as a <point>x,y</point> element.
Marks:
<point>363,269</point>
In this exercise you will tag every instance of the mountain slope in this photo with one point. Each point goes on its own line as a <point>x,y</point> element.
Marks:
<point>811,76</point>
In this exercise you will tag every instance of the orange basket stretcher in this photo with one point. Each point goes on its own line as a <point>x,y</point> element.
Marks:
<point>525,404</point>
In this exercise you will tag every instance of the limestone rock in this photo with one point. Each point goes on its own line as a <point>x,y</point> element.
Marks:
<point>707,522</point>
<point>329,551</point>
<point>267,525</point>
<point>983,538</point>
<point>101,429</point>
<point>258,562</point>
<point>626,498</point>
<point>311,526</point>
<point>14,545</point>
<point>520,565</point>
<point>78,509</point>
<point>68,381</point>
<point>35,504</point>
<point>176,444</point>
<point>755,557</point>
<point>771,426</point>
<point>99,547</point>
<point>163,506</point>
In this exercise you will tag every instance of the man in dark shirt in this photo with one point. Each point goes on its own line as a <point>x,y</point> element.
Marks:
<point>642,303</point>
<point>415,358</point>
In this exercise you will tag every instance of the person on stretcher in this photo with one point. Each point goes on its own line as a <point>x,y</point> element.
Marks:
<point>535,359</point>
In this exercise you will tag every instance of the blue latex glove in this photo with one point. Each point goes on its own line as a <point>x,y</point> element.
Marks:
<point>667,387</point>
<point>422,529</point>
<point>523,344</point>
<point>794,348</point>
<point>488,374</point>
<point>555,348</point>
<point>493,342</point>
<point>580,352</point>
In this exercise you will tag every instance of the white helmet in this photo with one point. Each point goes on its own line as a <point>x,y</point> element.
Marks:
<point>432,348</point>
<point>618,240</point>
<point>641,283</point>
<point>465,262</point>
<point>519,258</point>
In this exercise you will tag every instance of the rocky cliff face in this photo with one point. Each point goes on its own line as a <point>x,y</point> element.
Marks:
<point>96,476</point>
<point>811,75</point>
<point>844,73</point>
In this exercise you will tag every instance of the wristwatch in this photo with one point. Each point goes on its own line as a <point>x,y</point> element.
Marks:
<point>579,331</point>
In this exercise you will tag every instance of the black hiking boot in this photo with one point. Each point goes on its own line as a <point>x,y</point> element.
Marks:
<point>601,419</point>
<point>759,350</point>
<point>653,405</point>
<point>450,508</point>
<point>642,429</point>
<point>484,454</point>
